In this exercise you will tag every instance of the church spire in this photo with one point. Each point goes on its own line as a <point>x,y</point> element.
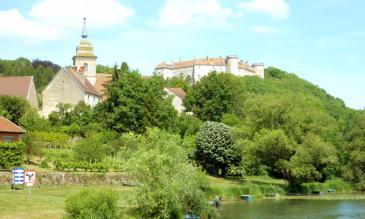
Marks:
<point>84,30</point>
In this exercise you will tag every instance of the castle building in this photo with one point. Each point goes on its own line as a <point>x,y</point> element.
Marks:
<point>78,83</point>
<point>198,68</point>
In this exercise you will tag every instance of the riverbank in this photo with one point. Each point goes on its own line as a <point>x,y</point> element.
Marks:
<point>262,186</point>
<point>340,196</point>
<point>46,201</point>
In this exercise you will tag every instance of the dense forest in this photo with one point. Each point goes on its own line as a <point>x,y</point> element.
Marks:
<point>281,126</point>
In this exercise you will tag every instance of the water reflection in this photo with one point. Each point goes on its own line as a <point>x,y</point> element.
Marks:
<point>293,209</point>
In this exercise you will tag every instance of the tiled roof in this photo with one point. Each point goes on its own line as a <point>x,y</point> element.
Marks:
<point>15,86</point>
<point>204,61</point>
<point>8,126</point>
<point>101,81</point>
<point>177,91</point>
<point>86,86</point>
<point>163,65</point>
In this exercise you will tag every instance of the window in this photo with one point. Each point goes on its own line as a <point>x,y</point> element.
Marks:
<point>8,138</point>
<point>85,66</point>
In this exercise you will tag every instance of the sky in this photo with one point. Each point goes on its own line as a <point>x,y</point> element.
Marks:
<point>322,41</point>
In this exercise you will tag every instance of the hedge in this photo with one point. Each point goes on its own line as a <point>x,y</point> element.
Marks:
<point>11,154</point>
<point>77,166</point>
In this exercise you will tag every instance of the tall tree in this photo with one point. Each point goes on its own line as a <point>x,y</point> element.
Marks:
<point>133,103</point>
<point>215,148</point>
<point>213,96</point>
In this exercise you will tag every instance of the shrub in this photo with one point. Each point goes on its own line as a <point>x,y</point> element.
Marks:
<point>91,149</point>
<point>337,184</point>
<point>170,184</point>
<point>11,154</point>
<point>308,188</point>
<point>93,203</point>
<point>44,164</point>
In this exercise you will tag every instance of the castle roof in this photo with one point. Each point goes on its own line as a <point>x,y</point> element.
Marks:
<point>205,61</point>
<point>15,85</point>
<point>7,126</point>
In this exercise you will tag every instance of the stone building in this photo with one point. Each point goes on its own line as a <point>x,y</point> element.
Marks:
<point>19,86</point>
<point>198,68</point>
<point>78,83</point>
<point>178,96</point>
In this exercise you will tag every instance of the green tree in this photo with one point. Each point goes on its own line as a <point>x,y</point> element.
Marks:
<point>91,149</point>
<point>213,96</point>
<point>215,148</point>
<point>13,108</point>
<point>170,185</point>
<point>134,104</point>
<point>273,149</point>
<point>355,151</point>
<point>181,82</point>
<point>312,161</point>
<point>31,121</point>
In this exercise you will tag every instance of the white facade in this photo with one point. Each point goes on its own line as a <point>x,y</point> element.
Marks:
<point>196,69</point>
<point>91,100</point>
<point>177,102</point>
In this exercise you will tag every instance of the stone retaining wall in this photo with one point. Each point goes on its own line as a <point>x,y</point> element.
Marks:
<point>71,178</point>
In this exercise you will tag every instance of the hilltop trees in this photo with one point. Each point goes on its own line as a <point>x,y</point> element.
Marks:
<point>43,71</point>
<point>213,96</point>
<point>355,151</point>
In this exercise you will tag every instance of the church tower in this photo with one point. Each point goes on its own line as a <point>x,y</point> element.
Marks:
<point>85,59</point>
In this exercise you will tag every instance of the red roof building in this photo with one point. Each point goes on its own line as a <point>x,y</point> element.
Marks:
<point>9,132</point>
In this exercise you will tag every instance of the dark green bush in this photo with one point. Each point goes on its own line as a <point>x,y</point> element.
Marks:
<point>93,204</point>
<point>11,154</point>
<point>44,164</point>
<point>308,188</point>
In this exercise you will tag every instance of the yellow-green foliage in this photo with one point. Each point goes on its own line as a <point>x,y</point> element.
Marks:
<point>335,184</point>
<point>93,203</point>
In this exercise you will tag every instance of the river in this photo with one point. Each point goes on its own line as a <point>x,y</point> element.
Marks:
<point>262,209</point>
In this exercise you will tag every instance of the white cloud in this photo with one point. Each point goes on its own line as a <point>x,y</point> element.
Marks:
<point>209,13</point>
<point>278,9</point>
<point>262,29</point>
<point>68,13</point>
<point>53,19</point>
<point>14,24</point>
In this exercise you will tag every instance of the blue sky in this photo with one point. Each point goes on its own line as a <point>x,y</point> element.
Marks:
<point>321,41</point>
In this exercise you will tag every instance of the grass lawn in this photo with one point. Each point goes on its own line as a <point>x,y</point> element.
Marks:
<point>45,202</point>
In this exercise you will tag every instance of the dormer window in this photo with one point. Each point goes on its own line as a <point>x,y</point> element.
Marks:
<point>85,67</point>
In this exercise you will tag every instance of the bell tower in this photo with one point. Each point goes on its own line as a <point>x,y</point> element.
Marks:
<point>85,60</point>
